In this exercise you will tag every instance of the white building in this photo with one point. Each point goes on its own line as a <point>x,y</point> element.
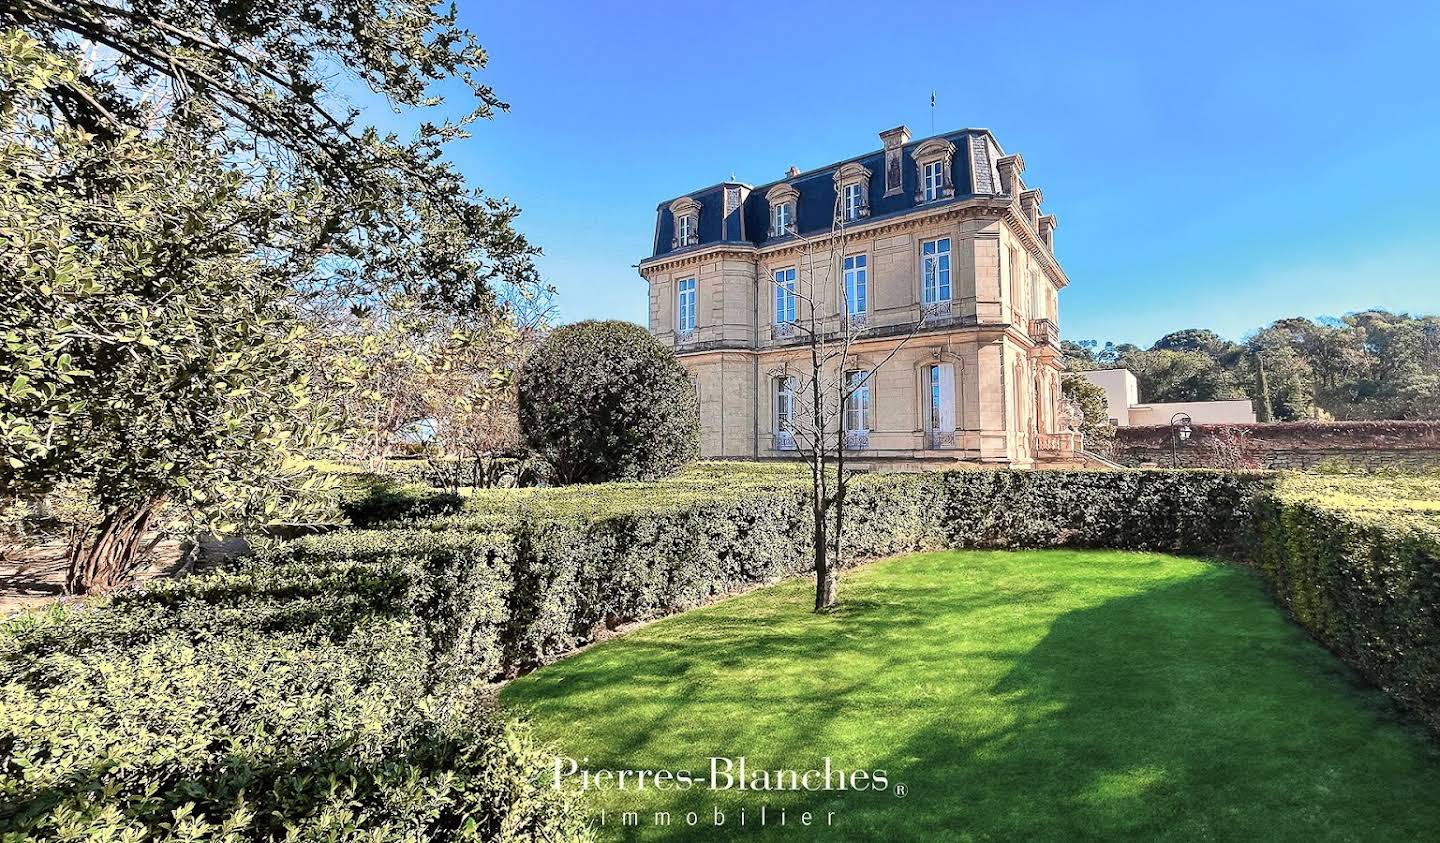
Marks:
<point>1122,394</point>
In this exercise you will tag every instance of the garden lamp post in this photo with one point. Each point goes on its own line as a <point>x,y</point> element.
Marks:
<point>1179,435</point>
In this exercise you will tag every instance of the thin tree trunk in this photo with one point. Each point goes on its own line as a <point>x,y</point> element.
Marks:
<point>109,559</point>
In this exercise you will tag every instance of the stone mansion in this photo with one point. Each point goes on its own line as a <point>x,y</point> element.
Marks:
<point>943,227</point>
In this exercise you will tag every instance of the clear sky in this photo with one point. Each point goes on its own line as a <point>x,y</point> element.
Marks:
<point>1211,165</point>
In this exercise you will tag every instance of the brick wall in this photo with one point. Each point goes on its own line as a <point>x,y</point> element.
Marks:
<point>1370,445</point>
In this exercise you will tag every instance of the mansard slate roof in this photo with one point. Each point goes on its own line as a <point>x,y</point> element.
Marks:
<point>815,207</point>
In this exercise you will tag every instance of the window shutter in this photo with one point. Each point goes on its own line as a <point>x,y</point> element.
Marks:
<point>947,397</point>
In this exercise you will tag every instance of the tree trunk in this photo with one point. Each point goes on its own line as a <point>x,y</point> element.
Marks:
<point>109,558</point>
<point>825,584</point>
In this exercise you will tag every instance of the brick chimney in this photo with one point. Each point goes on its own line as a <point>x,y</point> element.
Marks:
<point>1010,167</point>
<point>894,140</point>
<point>1047,231</point>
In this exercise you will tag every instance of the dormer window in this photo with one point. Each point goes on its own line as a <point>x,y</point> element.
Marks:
<point>852,183</point>
<point>933,181</point>
<point>781,224</point>
<point>686,212</point>
<point>783,199</point>
<point>933,160</point>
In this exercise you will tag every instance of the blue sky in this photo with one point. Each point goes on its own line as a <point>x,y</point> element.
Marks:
<point>1211,165</point>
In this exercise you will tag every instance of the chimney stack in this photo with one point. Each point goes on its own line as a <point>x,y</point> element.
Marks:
<point>894,140</point>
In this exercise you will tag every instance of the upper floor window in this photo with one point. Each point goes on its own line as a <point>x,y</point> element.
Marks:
<point>785,296</point>
<point>935,270</point>
<point>852,185</point>
<point>857,292</point>
<point>686,212</point>
<point>783,199</point>
<point>857,405</point>
<point>782,219</point>
<point>851,203</point>
<point>685,305</point>
<point>933,181</point>
<point>932,162</point>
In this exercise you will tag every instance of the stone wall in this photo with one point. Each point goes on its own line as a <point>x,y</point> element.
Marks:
<point>1365,445</point>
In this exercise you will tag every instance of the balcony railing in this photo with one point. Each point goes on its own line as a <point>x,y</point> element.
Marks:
<point>782,330</point>
<point>857,440</point>
<point>940,438</point>
<point>1065,443</point>
<point>1045,332</point>
<point>785,441</point>
<point>935,311</point>
<point>684,336</point>
<point>857,322</point>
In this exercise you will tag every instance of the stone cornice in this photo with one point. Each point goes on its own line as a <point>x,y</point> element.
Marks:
<point>1003,208</point>
<point>696,254</point>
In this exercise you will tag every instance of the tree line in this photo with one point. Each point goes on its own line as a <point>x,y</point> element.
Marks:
<point>1373,364</point>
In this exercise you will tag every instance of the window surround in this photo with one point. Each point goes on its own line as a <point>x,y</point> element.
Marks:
<point>786,195</point>
<point>853,175</point>
<point>935,150</point>
<point>945,436</point>
<point>686,212</point>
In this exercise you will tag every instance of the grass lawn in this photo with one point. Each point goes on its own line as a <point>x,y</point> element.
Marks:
<point>1015,695</point>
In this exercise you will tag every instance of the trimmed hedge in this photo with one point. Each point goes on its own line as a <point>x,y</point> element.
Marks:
<point>584,559</point>
<point>1356,562</point>
<point>289,698</point>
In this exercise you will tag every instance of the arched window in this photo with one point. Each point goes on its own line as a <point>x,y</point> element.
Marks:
<point>686,212</point>
<point>933,162</point>
<point>852,185</point>
<point>784,199</point>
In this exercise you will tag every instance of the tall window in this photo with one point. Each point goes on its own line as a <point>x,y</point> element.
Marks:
<point>687,230</point>
<point>857,406</point>
<point>933,180</point>
<point>782,219</point>
<point>784,404</point>
<point>935,270</point>
<point>685,305</point>
<point>941,381</point>
<point>851,203</point>
<point>785,296</point>
<point>857,293</point>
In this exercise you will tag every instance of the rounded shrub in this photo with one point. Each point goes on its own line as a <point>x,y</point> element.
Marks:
<point>604,401</point>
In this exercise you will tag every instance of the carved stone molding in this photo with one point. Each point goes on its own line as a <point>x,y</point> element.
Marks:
<point>782,194</point>
<point>894,141</point>
<point>679,210</point>
<point>854,173</point>
<point>935,149</point>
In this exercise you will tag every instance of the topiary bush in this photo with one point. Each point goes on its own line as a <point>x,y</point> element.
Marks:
<point>605,401</point>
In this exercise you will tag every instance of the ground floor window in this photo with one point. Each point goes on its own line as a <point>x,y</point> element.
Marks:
<point>941,382</point>
<point>784,404</point>
<point>857,406</point>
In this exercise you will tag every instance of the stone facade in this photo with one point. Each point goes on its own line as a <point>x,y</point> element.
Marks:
<point>995,334</point>
<point>1365,445</point>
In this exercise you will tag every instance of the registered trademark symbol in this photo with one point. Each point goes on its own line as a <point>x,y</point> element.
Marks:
<point>900,791</point>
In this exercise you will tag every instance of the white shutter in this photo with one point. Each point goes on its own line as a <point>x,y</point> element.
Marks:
<point>947,397</point>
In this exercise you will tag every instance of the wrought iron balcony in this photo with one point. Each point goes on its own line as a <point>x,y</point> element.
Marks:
<point>782,330</point>
<point>785,441</point>
<point>940,438</point>
<point>857,322</point>
<point>685,336</point>
<point>935,311</point>
<point>857,440</point>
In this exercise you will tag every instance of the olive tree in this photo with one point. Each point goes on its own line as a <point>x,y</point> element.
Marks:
<point>605,401</point>
<point>148,342</point>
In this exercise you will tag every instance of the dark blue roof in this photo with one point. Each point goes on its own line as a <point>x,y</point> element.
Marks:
<point>817,197</point>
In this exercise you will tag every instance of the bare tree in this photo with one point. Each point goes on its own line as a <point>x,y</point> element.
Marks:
<point>830,386</point>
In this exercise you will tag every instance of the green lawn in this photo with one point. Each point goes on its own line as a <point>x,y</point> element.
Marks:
<point>1015,695</point>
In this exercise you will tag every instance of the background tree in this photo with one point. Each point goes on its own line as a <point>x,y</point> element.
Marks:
<point>604,400</point>
<point>1095,424</point>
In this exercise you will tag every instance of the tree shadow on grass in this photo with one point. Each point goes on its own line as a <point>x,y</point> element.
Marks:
<point>1189,710</point>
